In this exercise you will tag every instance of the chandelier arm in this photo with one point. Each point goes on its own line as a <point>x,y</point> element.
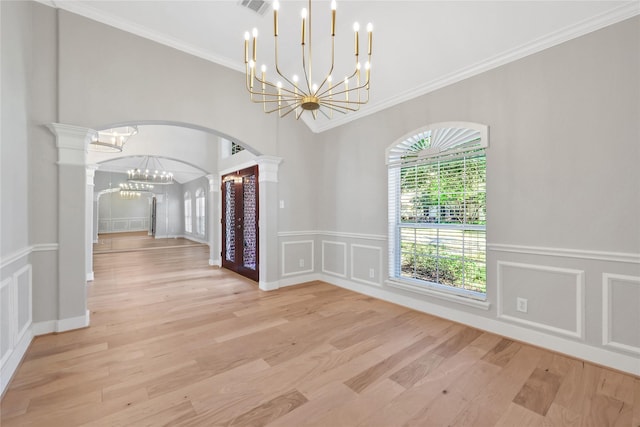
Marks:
<point>283,107</point>
<point>340,102</point>
<point>278,66</point>
<point>338,108</point>
<point>268,83</point>
<point>330,68</point>
<point>304,68</point>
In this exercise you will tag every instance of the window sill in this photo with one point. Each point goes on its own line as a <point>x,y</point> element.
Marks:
<point>435,293</point>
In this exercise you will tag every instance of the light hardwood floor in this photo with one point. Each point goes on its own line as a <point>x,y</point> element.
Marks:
<point>135,241</point>
<point>175,342</point>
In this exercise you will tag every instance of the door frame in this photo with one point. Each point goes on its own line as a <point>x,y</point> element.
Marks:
<point>238,264</point>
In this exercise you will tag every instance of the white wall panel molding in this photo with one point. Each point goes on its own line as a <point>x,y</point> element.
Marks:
<point>567,253</point>
<point>325,248</point>
<point>45,247</point>
<point>123,225</point>
<point>579,289</point>
<point>15,256</point>
<point>608,284</point>
<point>333,234</point>
<point>308,262</point>
<point>15,321</point>
<point>7,320</point>
<point>23,288</point>
<point>374,266</point>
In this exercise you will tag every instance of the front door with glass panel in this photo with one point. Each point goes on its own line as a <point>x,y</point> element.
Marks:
<point>240,222</point>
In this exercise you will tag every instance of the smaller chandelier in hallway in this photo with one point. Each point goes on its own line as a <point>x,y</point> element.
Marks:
<point>150,171</point>
<point>323,95</point>
<point>112,140</point>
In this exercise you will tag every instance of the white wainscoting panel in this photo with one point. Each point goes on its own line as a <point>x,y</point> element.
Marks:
<point>22,281</point>
<point>334,258</point>
<point>297,257</point>
<point>621,326</point>
<point>15,321</point>
<point>123,225</point>
<point>7,307</point>
<point>564,314</point>
<point>366,264</point>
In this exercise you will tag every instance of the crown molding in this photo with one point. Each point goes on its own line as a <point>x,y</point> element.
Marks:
<point>86,10</point>
<point>581,28</point>
<point>627,10</point>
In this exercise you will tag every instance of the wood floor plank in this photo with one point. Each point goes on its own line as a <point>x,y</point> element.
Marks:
<point>174,341</point>
<point>539,392</point>
<point>269,411</point>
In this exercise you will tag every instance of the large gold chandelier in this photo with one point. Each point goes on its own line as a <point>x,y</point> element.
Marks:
<point>300,96</point>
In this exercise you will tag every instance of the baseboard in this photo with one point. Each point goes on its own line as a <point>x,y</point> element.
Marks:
<point>90,277</point>
<point>215,262</point>
<point>11,365</point>
<point>562,345</point>
<point>268,286</point>
<point>62,325</point>
<point>292,281</point>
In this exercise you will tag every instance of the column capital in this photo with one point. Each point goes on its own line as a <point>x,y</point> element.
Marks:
<point>91,173</point>
<point>268,168</point>
<point>72,142</point>
<point>214,183</point>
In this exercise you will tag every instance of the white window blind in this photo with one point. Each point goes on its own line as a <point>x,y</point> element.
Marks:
<point>437,209</point>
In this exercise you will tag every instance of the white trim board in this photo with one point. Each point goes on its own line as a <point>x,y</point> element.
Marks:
<point>567,253</point>
<point>607,310</point>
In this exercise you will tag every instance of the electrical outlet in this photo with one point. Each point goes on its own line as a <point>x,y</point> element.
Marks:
<point>301,262</point>
<point>521,304</point>
<point>372,273</point>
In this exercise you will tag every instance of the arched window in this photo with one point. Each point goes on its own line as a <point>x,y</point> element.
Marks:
<point>200,212</point>
<point>188,227</point>
<point>437,210</point>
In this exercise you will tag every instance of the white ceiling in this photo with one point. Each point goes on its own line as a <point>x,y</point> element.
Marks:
<point>160,147</point>
<point>418,46</point>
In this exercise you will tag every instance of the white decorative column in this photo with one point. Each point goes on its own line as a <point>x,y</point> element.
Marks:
<point>214,226</point>
<point>72,143</point>
<point>268,222</point>
<point>89,205</point>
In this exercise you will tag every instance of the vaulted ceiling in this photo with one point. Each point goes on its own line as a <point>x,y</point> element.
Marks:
<point>418,46</point>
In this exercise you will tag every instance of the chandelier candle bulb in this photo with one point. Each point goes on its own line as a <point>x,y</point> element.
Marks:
<point>264,73</point>
<point>255,44</point>
<point>356,28</point>
<point>304,19</point>
<point>367,67</point>
<point>252,65</point>
<point>276,7</point>
<point>370,31</point>
<point>333,18</point>
<point>346,89</point>
<point>246,47</point>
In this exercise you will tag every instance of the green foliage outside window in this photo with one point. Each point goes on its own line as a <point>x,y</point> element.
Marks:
<point>442,221</point>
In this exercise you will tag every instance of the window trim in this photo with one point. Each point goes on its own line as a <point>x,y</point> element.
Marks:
<point>454,140</point>
<point>201,198</point>
<point>189,223</point>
